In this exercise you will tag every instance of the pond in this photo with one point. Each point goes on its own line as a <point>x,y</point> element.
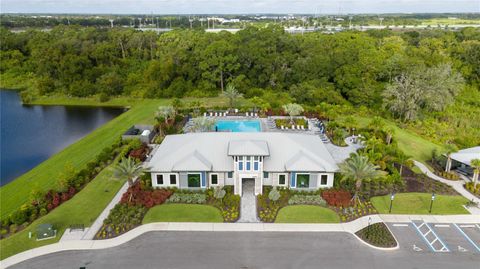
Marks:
<point>31,134</point>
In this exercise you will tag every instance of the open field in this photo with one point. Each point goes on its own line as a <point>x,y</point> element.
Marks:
<point>306,214</point>
<point>182,213</point>
<point>419,203</point>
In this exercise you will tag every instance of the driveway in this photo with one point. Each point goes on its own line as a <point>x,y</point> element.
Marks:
<point>250,250</point>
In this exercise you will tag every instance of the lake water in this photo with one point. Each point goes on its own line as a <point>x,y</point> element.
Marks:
<point>31,134</point>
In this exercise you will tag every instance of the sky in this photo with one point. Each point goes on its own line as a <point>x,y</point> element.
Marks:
<point>238,6</point>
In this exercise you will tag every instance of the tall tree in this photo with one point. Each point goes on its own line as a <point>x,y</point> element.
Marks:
<point>358,168</point>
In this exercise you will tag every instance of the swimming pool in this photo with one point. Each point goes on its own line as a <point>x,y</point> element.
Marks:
<point>238,126</point>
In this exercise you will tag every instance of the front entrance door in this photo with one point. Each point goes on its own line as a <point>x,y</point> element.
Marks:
<point>248,186</point>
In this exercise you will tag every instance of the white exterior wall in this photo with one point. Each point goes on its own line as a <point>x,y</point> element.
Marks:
<point>166,180</point>
<point>274,179</point>
<point>329,180</point>
<point>221,179</point>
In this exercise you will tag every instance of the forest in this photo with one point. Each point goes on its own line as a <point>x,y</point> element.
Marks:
<point>426,80</point>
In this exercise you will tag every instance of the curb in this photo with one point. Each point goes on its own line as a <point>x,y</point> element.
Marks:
<point>349,227</point>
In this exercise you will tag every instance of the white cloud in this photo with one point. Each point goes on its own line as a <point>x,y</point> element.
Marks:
<point>238,6</point>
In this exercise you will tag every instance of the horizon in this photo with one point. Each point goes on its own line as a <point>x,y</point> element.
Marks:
<point>242,7</point>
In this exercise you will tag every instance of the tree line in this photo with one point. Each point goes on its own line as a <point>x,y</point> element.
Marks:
<point>411,73</point>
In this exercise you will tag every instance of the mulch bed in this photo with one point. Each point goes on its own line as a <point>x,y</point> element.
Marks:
<point>422,183</point>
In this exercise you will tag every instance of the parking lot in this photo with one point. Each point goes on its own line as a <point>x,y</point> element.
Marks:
<point>422,237</point>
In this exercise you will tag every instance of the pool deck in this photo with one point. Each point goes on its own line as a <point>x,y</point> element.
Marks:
<point>338,153</point>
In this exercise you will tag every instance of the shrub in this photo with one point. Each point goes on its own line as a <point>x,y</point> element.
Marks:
<point>219,193</point>
<point>135,196</point>
<point>307,200</point>
<point>471,188</point>
<point>188,198</point>
<point>378,235</point>
<point>274,195</point>
<point>337,197</point>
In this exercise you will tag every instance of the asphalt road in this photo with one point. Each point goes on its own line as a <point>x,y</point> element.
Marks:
<point>251,250</point>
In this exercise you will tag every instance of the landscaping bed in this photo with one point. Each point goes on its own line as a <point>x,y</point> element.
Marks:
<point>421,183</point>
<point>288,124</point>
<point>472,189</point>
<point>377,235</point>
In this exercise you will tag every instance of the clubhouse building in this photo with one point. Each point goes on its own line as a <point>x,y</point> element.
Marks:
<point>210,159</point>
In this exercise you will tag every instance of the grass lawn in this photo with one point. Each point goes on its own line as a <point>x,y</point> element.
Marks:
<point>409,142</point>
<point>306,214</point>
<point>419,203</point>
<point>83,208</point>
<point>183,213</point>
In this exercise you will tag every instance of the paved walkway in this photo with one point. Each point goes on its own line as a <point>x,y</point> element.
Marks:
<point>340,154</point>
<point>248,204</point>
<point>90,234</point>
<point>457,185</point>
<point>349,227</point>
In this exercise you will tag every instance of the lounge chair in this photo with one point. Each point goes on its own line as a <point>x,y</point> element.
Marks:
<point>282,127</point>
<point>302,127</point>
<point>256,115</point>
<point>205,114</point>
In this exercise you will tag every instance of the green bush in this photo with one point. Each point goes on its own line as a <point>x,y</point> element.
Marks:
<point>188,198</point>
<point>307,200</point>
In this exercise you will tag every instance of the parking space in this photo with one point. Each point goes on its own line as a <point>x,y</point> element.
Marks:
<point>407,237</point>
<point>471,232</point>
<point>418,236</point>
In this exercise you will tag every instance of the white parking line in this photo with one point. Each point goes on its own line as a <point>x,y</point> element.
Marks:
<point>443,248</point>
<point>442,225</point>
<point>467,237</point>
<point>400,225</point>
<point>467,226</point>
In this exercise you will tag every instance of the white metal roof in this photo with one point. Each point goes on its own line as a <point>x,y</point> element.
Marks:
<point>248,148</point>
<point>210,152</point>
<point>466,155</point>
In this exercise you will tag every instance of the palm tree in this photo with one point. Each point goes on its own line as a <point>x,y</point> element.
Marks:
<point>293,110</point>
<point>128,169</point>
<point>166,112</point>
<point>202,124</point>
<point>402,160</point>
<point>358,168</point>
<point>475,164</point>
<point>232,94</point>
<point>389,131</point>
<point>449,149</point>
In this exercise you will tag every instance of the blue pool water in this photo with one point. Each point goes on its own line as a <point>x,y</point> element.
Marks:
<point>238,126</point>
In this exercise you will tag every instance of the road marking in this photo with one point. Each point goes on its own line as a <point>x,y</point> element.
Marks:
<point>467,237</point>
<point>400,225</point>
<point>467,226</point>
<point>442,225</point>
<point>461,249</point>
<point>415,248</point>
<point>444,247</point>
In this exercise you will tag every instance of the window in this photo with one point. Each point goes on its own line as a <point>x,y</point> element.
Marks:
<point>323,180</point>
<point>248,164</point>
<point>230,174</point>
<point>282,179</point>
<point>173,179</point>
<point>265,174</point>
<point>159,179</point>
<point>303,180</point>
<point>240,165</point>
<point>255,163</point>
<point>194,180</point>
<point>214,179</point>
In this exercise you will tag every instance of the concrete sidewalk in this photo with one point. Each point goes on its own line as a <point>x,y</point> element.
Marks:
<point>456,185</point>
<point>97,224</point>
<point>349,227</point>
